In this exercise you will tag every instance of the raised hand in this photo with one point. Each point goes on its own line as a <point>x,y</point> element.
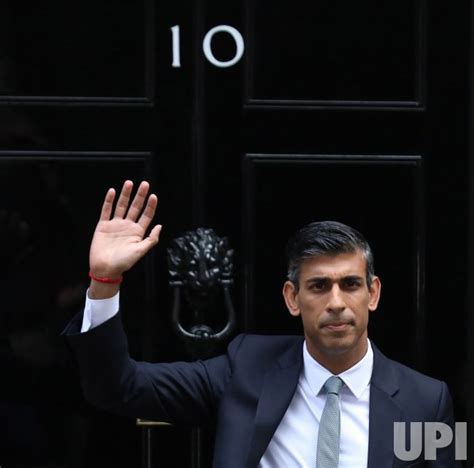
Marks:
<point>119,239</point>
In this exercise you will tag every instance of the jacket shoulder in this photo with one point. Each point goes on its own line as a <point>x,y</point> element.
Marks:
<point>258,351</point>
<point>263,343</point>
<point>409,386</point>
<point>409,375</point>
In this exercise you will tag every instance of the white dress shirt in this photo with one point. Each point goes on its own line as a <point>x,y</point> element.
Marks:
<point>294,443</point>
<point>98,311</point>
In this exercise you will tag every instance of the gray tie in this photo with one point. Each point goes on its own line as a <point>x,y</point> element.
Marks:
<point>327,455</point>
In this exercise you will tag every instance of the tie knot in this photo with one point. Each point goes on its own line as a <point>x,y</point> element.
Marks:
<point>333,384</point>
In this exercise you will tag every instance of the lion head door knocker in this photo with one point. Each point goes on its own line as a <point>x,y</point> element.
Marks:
<point>200,267</point>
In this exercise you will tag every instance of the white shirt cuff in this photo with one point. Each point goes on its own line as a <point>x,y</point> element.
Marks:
<point>98,311</point>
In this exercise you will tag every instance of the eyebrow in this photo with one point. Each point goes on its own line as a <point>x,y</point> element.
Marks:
<point>313,279</point>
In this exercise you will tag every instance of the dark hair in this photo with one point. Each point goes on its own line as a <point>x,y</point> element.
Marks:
<point>326,238</point>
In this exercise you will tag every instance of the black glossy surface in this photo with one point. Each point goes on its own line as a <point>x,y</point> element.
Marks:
<point>83,49</point>
<point>192,133</point>
<point>336,50</point>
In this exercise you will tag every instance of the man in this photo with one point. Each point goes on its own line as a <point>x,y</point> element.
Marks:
<point>267,395</point>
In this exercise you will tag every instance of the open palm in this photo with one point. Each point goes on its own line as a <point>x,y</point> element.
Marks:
<point>119,239</point>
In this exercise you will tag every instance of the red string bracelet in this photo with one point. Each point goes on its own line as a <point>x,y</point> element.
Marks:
<point>105,279</point>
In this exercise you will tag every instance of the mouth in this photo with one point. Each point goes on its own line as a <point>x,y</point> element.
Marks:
<point>337,326</point>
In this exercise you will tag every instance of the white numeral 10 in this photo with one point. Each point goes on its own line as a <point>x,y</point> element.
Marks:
<point>207,48</point>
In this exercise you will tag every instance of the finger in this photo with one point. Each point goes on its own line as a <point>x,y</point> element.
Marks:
<point>124,199</point>
<point>107,205</point>
<point>138,201</point>
<point>148,212</point>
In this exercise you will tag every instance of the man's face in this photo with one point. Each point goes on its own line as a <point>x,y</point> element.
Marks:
<point>334,301</point>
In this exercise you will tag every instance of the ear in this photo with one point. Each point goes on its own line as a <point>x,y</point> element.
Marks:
<point>291,301</point>
<point>374,291</point>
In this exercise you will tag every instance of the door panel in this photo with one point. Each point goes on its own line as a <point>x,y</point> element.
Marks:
<point>335,54</point>
<point>375,193</point>
<point>92,52</point>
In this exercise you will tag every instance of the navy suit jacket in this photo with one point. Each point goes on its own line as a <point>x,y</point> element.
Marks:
<point>246,392</point>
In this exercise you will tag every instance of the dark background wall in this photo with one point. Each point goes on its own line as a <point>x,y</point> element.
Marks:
<point>355,111</point>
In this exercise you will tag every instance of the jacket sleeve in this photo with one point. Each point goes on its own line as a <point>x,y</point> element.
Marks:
<point>185,393</point>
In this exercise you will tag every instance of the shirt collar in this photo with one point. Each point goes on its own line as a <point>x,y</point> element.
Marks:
<point>356,378</point>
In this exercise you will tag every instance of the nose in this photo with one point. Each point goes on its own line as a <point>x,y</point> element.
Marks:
<point>336,301</point>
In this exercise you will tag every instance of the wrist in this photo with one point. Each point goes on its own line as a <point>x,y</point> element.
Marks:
<point>104,284</point>
<point>98,290</point>
<point>107,279</point>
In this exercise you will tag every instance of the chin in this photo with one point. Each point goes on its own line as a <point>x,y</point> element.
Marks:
<point>338,346</point>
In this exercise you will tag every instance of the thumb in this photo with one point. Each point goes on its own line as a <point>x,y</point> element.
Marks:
<point>154,235</point>
<point>146,244</point>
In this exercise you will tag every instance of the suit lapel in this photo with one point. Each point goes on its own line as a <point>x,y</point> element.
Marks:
<point>277,391</point>
<point>383,412</point>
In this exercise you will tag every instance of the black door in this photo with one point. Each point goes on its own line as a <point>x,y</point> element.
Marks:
<point>248,117</point>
